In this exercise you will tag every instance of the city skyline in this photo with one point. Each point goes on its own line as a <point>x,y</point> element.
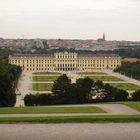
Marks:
<point>69,19</point>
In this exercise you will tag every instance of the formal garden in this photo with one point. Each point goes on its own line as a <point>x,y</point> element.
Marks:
<point>43,81</point>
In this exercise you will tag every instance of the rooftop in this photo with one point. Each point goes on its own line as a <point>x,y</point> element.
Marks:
<point>82,55</point>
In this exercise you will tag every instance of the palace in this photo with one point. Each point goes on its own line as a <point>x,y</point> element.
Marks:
<point>65,61</point>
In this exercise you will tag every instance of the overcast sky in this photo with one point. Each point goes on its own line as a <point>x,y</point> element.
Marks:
<point>78,19</point>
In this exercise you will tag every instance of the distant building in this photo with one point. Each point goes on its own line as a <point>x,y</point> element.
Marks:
<point>103,36</point>
<point>102,39</point>
<point>132,60</point>
<point>65,61</point>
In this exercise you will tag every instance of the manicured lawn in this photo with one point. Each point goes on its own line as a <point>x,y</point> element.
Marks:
<point>44,78</point>
<point>105,78</point>
<point>92,73</point>
<point>125,86</point>
<point>42,86</point>
<point>73,119</point>
<point>50,109</point>
<point>47,73</point>
<point>134,105</point>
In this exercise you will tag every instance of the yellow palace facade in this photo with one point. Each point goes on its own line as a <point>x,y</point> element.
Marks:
<point>65,61</point>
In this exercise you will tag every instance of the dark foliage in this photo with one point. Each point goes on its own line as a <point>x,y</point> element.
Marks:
<point>130,69</point>
<point>65,92</point>
<point>38,99</point>
<point>9,75</point>
<point>136,96</point>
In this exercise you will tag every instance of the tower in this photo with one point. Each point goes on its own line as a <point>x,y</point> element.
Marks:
<point>103,36</point>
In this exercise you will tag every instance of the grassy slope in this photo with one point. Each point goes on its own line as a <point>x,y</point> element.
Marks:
<point>53,109</point>
<point>73,119</point>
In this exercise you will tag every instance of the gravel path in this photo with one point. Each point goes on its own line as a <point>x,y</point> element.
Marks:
<point>92,75</point>
<point>125,78</point>
<point>119,82</point>
<point>84,131</point>
<point>117,109</point>
<point>24,87</point>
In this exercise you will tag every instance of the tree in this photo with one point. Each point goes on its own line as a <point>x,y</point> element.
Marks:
<point>136,96</point>
<point>65,92</point>
<point>130,69</point>
<point>110,92</point>
<point>9,75</point>
<point>83,89</point>
<point>121,95</point>
<point>60,88</point>
<point>113,94</point>
<point>72,96</point>
<point>99,84</point>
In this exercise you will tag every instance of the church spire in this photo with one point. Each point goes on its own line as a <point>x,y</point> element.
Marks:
<point>103,36</point>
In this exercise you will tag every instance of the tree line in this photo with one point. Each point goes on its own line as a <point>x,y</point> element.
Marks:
<point>132,52</point>
<point>130,69</point>
<point>123,51</point>
<point>83,91</point>
<point>9,75</point>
